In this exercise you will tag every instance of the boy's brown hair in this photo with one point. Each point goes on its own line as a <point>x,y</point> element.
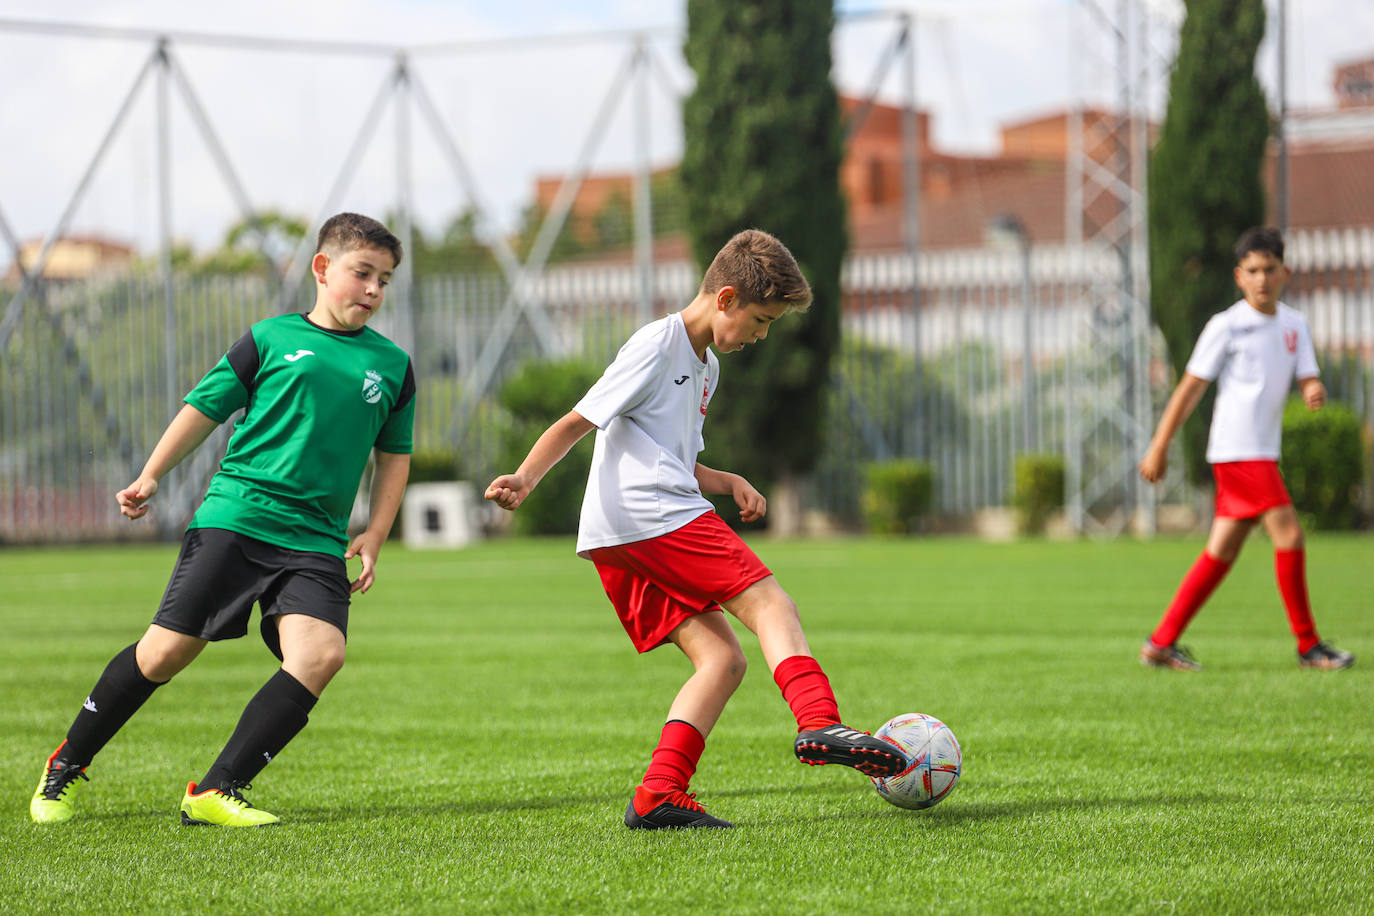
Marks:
<point>762,271</point>
<point>344,232</point>
<point>1264,239</point>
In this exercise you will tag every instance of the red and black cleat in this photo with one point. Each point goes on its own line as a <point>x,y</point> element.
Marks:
<point>678,810</point>
<point>847,747</point>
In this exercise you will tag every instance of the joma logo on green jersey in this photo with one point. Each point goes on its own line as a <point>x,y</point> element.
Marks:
<point>372,386</point>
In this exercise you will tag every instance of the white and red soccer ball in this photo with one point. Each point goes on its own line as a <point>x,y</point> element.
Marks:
<point>934,761</point>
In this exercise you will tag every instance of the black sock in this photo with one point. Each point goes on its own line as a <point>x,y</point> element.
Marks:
<point>270,720</point>
<point>121,690</point>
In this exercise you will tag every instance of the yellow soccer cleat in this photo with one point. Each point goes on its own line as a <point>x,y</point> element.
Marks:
<point>222,808</point>
<point>55,799</point>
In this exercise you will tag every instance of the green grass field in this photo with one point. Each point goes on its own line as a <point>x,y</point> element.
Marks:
<point>477,752</point>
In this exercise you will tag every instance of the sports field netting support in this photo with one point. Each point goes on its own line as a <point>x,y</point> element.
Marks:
<point>992,354</point>
<point>83,400</point>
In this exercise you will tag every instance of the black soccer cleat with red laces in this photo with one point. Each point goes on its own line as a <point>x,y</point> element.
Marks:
<point>678,810</point>
<point>847,747</point>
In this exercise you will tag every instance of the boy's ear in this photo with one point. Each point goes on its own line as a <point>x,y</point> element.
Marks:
<point>724,297</point>
<point>319,264</point>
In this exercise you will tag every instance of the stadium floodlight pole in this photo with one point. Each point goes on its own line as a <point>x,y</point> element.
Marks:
<point>643,194</point>
<point>875,84</point>
<point>911,221</point>
<point>220,156</point>
<point>40,261</point>
<point>1281,124</point>
<point>521,297</point>
<point>404,309</point>
<point>306,248</point>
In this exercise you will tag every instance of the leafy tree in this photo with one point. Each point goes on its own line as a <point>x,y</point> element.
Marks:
<point>263,243</point>
<point>1205,186</point>
<point>458,249</point>
<point>763,145</point>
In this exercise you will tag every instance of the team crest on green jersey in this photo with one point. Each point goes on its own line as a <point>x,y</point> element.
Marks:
<point>372,386</point>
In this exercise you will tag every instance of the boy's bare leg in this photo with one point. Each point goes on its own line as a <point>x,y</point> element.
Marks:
<point>162,653</point>
<point>771,614</point>
<point>1283,527</point>
<point>124,686</point>
<point>714,651</point>
<point>1290,569</point>
<point>661,799</point>
<point>1227,537</point>
<point>312,650</point>
<point>312,653</point>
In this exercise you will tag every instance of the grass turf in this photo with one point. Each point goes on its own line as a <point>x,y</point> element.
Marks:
<point>478,750</point>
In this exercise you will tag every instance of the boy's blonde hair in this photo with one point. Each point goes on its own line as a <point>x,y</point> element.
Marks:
<point>345,232</point>
<point>762,271</point>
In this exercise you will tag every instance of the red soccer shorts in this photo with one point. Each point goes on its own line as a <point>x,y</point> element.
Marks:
<point>658,583</point>
<point>1248,489</point>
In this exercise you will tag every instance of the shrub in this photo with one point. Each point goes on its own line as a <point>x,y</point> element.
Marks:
<point>896,495</point>
<point>1039,490</point>
<point>538,394</point>
<point>1323,464</point>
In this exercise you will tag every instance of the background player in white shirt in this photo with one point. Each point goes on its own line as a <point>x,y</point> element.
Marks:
<point>1253,351</point>
<point>667,561</point>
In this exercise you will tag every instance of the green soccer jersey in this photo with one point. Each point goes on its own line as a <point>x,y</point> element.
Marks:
<point>316,402</point>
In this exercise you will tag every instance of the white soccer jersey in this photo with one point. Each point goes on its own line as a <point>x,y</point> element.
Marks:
<point>1254,359</point>
<point>648,407</point>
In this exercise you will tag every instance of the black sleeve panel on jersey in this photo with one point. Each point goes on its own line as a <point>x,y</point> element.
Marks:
<point>407,388</point>
<point>245,360</point>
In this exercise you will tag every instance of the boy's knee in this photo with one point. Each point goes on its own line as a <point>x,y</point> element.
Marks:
<point>738,664</point>
<point>330,659</point>
<point>161,660</point>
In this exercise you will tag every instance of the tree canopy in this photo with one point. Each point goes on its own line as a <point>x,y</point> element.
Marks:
<point>1205,185</point>
<point>762,149</point>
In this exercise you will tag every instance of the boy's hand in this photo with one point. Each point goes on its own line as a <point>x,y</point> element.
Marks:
<point>365,546</point>
<point>508,491</point>
<point>752,505</point>
<point>1313,393</point>
<point>1155,463</point>
<point>133,499</point>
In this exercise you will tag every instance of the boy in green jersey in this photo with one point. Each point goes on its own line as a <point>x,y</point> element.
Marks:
<point>320,393</point>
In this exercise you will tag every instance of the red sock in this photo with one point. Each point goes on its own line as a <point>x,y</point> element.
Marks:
<point>1193,591</point>
<point>1291,568</point>
<point>672,765</point>
<point>807,690</point>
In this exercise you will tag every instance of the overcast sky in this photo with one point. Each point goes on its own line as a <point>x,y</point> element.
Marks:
<point>286,115</point>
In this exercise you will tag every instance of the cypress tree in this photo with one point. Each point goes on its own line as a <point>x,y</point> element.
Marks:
<point>1205,184</point>
<point>762,149</point>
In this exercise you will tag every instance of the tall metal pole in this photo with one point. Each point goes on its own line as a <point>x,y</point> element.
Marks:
<point>405,209</point>
<point>1280,129</point>
<point>911,223</point>
<point>643,199</point>
<point>164,214</point>
<point>1029,439</point>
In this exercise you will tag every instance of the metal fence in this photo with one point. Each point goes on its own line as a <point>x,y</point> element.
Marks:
<point>1003,356</point>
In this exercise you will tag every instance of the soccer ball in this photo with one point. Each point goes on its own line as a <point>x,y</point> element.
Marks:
<point>934,761</point>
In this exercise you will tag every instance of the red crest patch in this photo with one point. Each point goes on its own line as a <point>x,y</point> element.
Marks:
<point>1290,340</point>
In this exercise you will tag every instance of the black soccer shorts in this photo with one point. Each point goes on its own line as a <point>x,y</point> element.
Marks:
<point>219,574</point>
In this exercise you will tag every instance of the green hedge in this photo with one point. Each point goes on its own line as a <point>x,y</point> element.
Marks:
<point>1323,464</point>
<point>537,395</point>
<point>896,495</point>
<point>1039,490</point>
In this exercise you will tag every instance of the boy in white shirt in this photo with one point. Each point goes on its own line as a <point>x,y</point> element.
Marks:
<point>667,561</point>
<point>1253,350</point>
